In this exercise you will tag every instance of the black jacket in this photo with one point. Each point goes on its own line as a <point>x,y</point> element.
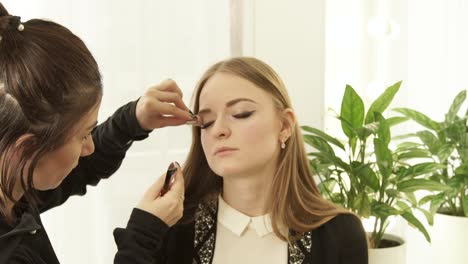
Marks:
<point>339,241</point>
<point>27,241</point>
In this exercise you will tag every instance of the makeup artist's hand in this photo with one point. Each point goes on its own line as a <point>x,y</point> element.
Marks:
<point>170,207</point>
<point>162,106</point>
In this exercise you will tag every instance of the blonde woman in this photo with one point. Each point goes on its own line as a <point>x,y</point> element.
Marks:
<point>250,195</point>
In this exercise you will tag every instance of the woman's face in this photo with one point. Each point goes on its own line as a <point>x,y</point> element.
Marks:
<point>241,127</point>
<point>54,166</point>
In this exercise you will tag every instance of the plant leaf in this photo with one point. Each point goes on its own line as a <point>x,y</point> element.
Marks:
<point>419,169</point>
<point>408,216</point>
<point>419,117</point>
<point>436,202</point>
<point>430,140</point>
<point>327,186</point>
<point>420,184</point>
<point>465,205</point>
<point>352,110</point>
<point>383,129</point>
<point>384,157</point>
<point>395,120</point>
<point>402,206</point>
<point>362,205</point>
<point>444,152</point>
<point>332,159</point>
<point>428,215</point>
<point>425,168</point>
<point>426,199</point>
<point>455,107</point>
<point>416,153</point>
<point>383,210</point>
<point>319,144</point>
<point>410,197</point>
<point>368,177</point>
<point>382,102</point>
<point>462,169</point>
<point>366,130</point>
<point>407,145</point>
<point>405,136</point>
<point>457,181</point>
<point>392,193</point>
<point>324,136</point>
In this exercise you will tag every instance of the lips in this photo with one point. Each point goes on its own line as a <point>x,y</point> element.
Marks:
<point>223,149</point>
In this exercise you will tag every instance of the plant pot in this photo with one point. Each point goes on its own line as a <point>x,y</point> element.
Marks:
<point>391,255</point>
<point>449,235</point>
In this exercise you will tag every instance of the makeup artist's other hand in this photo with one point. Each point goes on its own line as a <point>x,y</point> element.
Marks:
<point>162,106</point>
<point>170,207</point>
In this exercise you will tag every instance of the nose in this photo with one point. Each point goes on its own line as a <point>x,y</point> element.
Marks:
<point>221,128</point>
<point>88,147</point>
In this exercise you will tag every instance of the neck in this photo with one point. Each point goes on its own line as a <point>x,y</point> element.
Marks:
<point>248,193</point>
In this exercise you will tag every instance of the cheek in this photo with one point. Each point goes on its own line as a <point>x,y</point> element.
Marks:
<point>55,166</point>
<point>68,156</point>
<point>205,142</point>
<point>259,133</point>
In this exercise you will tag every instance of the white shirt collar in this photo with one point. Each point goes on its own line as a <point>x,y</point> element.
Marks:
<point>238,222</point>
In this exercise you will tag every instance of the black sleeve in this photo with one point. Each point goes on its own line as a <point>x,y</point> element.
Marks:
<point>20,260</point>
<point>111,139</point>
<point>353,240</point>
<point>141,240</point>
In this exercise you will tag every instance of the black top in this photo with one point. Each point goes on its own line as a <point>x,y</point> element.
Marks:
<point>27,240</point>
<point>340,240</point>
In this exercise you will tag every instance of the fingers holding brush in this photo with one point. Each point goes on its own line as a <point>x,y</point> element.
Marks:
<point>165,198</point>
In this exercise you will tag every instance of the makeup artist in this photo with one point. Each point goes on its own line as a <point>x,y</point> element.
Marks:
<point>51,148</point>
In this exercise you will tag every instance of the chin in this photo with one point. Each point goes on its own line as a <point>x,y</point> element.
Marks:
<point>49,185</point>
<point>227,172</point>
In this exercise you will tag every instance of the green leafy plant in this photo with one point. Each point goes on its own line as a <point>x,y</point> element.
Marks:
<point>445,142</point>
<point>362,173</point>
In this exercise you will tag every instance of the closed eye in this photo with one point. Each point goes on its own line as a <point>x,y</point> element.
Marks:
<point>206,125</point>
<point>87,136</point>
<point>244,115</point>
<point>238,116</point>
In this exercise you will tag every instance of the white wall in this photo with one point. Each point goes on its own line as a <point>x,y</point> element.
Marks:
<point>289,35</point>
<point>437,64</point>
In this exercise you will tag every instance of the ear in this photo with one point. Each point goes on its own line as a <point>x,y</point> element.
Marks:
<point>288,121</point>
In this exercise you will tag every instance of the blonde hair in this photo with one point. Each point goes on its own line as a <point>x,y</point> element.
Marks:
<point>297,203</point>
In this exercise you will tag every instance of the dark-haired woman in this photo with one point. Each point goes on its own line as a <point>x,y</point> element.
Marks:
<point>51,148</point>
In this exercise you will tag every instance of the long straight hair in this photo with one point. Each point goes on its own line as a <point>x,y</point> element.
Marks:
<point>296,203</point>
<point>48,81</point>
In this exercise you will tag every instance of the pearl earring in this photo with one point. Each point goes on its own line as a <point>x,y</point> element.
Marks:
<point>283,145</point>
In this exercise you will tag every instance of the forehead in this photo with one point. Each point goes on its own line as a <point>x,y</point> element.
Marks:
<point>223,87</point>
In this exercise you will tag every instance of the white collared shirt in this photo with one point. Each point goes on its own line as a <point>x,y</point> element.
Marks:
<point>244,239</point>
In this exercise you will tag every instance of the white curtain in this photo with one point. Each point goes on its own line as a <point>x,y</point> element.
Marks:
<point>136,44</point>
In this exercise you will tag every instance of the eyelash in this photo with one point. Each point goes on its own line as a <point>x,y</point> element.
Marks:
<point>86,137</point>
<point>238,116</point>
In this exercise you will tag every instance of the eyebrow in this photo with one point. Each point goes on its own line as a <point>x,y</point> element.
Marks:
<point>228,104</point>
